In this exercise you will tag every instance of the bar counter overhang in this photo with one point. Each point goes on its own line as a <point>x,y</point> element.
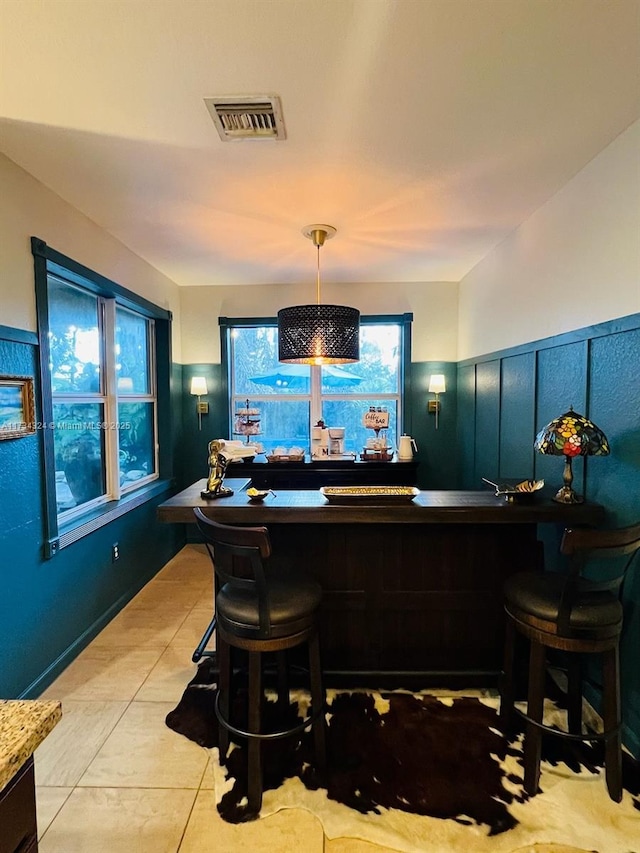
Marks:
<point>412,590</point>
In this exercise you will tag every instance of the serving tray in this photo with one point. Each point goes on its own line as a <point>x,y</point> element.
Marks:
<point>369,494</point>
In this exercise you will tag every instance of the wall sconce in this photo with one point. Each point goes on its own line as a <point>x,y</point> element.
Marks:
<point>199,389</point>
<point>437,386</point>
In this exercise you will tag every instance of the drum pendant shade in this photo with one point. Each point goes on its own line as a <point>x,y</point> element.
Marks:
<point>318,334</point>
<point>307,333</point>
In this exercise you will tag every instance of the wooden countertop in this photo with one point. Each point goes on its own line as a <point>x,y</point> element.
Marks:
<point>429,507</point>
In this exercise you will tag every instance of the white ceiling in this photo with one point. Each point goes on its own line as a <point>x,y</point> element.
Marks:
<point>425,131</point>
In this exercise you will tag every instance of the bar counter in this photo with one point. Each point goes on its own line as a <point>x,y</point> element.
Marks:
<point>412,590</point>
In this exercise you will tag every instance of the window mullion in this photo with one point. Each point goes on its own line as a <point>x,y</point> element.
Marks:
<point>111,403</point>
<point>316,394</point>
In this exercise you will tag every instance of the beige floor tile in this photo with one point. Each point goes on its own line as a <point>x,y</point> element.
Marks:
<point>140,628</point>
<point>170,595</point>
<point>104,673</point>
<point>208,780</point>
<point>354,845</point>
<point>288,831</point>
<point>190,632</point>
<point>66,753</point>
<point>192,563</point>
<point>142,752</point>
<point>105,820</point>
<point>169,677</point>
<point>49,801</point>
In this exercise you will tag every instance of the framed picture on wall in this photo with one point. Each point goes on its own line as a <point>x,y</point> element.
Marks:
<point>17,408</point>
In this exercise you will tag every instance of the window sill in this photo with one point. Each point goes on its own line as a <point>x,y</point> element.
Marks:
<point>97,518</point>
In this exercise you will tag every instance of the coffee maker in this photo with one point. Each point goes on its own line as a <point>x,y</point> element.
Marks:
<point>336,441</point>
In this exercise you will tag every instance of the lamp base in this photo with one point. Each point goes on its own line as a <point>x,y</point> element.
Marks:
<point>566,495</point>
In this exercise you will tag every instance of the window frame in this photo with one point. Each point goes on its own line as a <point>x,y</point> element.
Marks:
<point>62,529</point>
<point>404,321</point>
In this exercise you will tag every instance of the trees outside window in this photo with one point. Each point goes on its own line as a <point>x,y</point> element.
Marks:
<point>101,360</point>
<point>291,398</point>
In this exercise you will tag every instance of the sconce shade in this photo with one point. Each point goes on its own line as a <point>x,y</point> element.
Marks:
<point>572,435</point>
<point>437,384</point>
<point>318,334</point>
<point>198,386</point>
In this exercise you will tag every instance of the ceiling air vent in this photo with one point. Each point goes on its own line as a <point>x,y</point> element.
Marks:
<point>241,117</point>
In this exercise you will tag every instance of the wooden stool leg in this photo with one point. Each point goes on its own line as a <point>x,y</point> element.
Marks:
<point>283,684</point>
<point>224,696</point>
<point>507,687</point>
<point>574,694</point>
<point>254,782</point>
<point>611,721</point>
<point>317,701</point>
<point>535,707</point>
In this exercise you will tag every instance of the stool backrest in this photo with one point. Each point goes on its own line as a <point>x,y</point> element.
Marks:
<point>582,546</point>
<point>237,554</point>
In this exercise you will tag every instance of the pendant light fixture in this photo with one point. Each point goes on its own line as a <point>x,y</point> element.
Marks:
<point>318,334</point>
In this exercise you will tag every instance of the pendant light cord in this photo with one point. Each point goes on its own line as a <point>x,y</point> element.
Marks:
<point>318,276</point>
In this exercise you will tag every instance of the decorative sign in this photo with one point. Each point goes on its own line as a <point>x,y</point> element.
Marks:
<point>376,420</point>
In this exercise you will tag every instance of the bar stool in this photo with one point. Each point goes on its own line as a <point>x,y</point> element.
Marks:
<point>578,616</point>
<point>259,614</point>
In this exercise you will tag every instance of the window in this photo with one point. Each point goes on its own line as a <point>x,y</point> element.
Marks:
<point>286,400</point>
<point>99,392</point>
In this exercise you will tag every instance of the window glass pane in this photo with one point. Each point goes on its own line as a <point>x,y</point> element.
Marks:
<point>377,372</point>
<point>255,366</point>
<point>349,414</point>
<point>132,353</point>
<point>78,440</point>
<point>74,339</point>
<point>283,423</point>
<point>137,441</point>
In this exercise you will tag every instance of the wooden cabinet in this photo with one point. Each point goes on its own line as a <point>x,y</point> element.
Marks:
<point>18,831</point>
<point>313,475</point>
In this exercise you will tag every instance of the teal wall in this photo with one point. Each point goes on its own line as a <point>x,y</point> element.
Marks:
<point>194,457</point>
<point>437,448</point>
<point>505,398</point>
<point>51,609</point>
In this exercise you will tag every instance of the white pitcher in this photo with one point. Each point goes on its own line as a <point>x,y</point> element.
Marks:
<point>406,446</point>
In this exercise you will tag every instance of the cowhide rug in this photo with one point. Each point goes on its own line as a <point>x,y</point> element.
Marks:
<point>417,772</point>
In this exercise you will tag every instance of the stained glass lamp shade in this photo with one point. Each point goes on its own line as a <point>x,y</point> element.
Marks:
<point>571,435</point>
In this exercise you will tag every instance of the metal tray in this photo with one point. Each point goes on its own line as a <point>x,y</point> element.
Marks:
<point>369,494</point>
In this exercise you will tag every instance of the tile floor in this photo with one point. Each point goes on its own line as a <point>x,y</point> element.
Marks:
<point>112,776</point>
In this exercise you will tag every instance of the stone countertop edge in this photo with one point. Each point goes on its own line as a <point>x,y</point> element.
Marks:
<point>24,724</point>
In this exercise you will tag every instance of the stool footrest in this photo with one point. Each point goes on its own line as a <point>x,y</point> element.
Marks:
<point>293,730</point>
<point>596,736</point>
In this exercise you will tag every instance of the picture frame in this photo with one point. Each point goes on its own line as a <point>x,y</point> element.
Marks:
<point>17,407</point>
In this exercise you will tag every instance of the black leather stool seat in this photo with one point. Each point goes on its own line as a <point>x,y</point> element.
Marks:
<point>292,607</point>
<point>539,596</point>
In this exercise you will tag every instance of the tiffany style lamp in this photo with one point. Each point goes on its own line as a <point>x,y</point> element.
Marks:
<point>571,435</point>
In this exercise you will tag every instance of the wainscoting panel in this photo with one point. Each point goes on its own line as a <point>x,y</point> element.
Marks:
<point>487,437</point>
<point>466,425</point>
<point>561,383</point>
<point>517,408</point>
<point>505,398</point>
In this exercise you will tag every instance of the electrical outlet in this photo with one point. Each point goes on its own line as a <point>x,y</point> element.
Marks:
<point>115,552</point>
